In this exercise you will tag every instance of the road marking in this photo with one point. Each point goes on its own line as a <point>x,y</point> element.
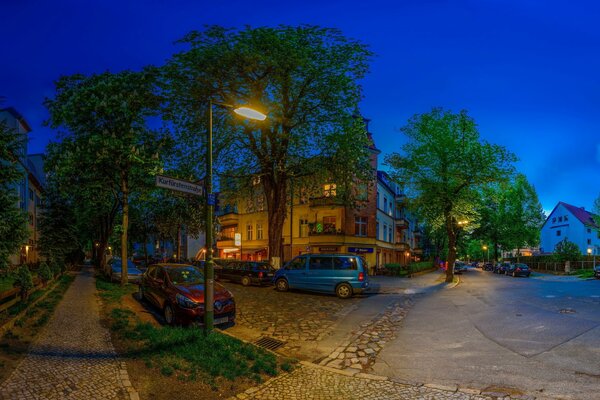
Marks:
<point>595,296</point>
<point>550,296</point>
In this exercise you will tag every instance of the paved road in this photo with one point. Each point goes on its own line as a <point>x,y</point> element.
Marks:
<point>539,335</point>
<point>73,357</point>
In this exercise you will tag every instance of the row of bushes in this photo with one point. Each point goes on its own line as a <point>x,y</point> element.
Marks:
<point>396,269</point>
<point>46,271</point>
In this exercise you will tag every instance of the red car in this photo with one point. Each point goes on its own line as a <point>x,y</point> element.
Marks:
<point>178,290</point>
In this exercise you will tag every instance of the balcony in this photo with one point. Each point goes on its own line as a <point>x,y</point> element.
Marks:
<point>402,223</point>
<point>325,201</point>
<point>400,199</point>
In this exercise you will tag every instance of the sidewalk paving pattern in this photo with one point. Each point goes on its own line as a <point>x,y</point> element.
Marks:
<point>73,357</point>
<point>318,383</point>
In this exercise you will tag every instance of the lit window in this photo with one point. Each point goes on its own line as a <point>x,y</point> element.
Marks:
<point>259,231</point>
<point>303,228</point>
<point>329,224</point>
<point>329,190</point>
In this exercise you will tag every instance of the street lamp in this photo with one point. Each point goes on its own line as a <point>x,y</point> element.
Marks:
<point>488,252</point>
<point>209,271</point>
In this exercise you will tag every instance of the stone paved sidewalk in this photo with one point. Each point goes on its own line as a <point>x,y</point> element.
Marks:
<point>73,357</point>
<point>322,383</point>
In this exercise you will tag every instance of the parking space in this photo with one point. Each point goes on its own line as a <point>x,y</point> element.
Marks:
<point>294,317</point>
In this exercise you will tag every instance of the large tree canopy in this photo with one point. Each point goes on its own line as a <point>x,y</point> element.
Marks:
<point>304,78</point>
<point>443,165</point>
<point>13,228</point>
<point>107,143</point>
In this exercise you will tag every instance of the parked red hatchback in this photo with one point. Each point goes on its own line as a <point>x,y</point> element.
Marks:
<point>178,290</point>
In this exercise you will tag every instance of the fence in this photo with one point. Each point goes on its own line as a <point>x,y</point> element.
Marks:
<point>556,266</point>
<point>11,297</point>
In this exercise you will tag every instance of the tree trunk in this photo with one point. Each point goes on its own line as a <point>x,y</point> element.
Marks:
<point>275,192</point>
<point>451,249</point>
<point>125,192</point>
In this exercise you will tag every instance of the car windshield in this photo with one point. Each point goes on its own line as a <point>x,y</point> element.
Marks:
<point>522,266</point>
<point>185,276</point>
<point>263,267</point>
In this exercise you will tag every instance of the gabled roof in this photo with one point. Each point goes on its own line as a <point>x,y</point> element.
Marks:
<point>586,217</point>
<point>15,114</point>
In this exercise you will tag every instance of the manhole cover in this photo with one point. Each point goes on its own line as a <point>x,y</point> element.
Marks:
<point>567,311</point>
<point>269,343</point>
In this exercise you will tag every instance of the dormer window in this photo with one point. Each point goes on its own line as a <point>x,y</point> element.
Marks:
<point>330,190</point>
<point>559,219</point>
<point>566,218</point>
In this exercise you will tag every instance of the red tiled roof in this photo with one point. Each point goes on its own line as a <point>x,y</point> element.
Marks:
<point>586,217</point>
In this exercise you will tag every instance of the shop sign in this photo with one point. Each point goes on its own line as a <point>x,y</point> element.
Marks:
<point>360,250</point>
<point>329,249</point>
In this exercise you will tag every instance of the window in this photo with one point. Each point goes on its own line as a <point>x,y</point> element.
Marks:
<point>297,263</point>
<point>303,196</point>
<point>329,190</point>
<point>259,231</point>
<point>249,230</point>
<point>589,241</point>
<point>559,219</point>
<point>378,199</point>
<point>385,230</point>
<point>566,218</point>
<point>329,224</point>
<point>390,234</point>
<point>363,192</point>
<point>385,206</point>
<point>303,227</point>
<point>558,232</point>
<point>554,220</point>
<point>30,219</point>
<point>344,263</point>
<point>589,230</point>
<point>260,203</point>
<point>377,230</point>
<point>360,226</point>
<point>320,263</point>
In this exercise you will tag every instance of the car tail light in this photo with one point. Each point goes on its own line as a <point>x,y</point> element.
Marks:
<point>361,276</point>
<point>518,269</point>
<point>260,274</point>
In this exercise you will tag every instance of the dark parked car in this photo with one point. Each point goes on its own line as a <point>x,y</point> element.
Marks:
<point>501,268</point>
<point>178,290</point>
<point>133,273</point>
<point>459,267</point>
<point>518,270</point>
<point>597,271</point>
<point>245,272</point>
<point>488,267</point>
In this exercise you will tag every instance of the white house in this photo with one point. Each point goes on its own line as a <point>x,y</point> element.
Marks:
<point>574,223</point>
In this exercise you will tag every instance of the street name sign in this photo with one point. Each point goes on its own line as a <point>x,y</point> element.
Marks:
<point>179,185</point>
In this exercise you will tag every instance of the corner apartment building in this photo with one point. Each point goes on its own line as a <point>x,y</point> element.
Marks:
<point>380,230</point>
<point>29,188</point>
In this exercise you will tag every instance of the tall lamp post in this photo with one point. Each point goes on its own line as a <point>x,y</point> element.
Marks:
<point>209,271</point>
<point>488,252</point>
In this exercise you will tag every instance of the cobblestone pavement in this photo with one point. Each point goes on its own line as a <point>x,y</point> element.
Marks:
<point>73,357</point>
<point>292,317</point>
<point>316,383</point>
<point>360,353</point>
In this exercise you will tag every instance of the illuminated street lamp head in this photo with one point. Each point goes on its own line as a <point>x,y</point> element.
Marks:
<point>250,113</point>
<point>589,251</point>
<point>484,247</point>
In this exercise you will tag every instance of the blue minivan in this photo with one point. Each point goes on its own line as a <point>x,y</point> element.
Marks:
<point>342,274</point>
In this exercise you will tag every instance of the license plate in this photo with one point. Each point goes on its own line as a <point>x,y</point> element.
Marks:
<point>222,320</point>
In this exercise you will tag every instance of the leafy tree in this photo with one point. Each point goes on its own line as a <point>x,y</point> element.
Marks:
<point>305,78</point>
<point>13,228</point>
<point>565,250</point>
<point>443,164</point>
<point>106,116</point>
<point>24,281</point>
<point>59,235</point>
<point>45,273</point>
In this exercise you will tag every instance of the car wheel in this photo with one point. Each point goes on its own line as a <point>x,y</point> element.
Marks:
<point>169,315</point>
<point>343,291</point>
<point>282,285</point>
<point>246,280</point>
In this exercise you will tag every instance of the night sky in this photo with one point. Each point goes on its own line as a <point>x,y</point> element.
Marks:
<point>529,74</point>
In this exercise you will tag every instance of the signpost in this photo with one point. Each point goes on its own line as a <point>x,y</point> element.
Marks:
<point>179,185</point>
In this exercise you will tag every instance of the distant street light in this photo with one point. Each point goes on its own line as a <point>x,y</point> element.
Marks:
<point>209,271</point>
<point>488,252</point>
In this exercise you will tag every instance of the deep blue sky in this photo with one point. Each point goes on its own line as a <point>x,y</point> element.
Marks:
<point>529,74</point>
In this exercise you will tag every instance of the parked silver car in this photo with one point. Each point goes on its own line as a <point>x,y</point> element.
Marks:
<point>134,275</point>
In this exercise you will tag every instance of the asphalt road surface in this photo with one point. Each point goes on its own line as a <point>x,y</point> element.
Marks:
<point>538,335</point>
